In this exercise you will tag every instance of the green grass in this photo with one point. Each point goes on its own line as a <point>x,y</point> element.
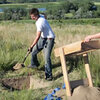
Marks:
<point>69,15</point>
<point>23,95</point>
<point>30,5</point>
<point>97,3</point>
<point>88,21</point>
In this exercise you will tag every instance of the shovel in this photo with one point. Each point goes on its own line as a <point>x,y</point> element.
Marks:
<point>21,65</point>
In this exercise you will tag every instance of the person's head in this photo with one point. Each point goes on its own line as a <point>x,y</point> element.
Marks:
<point>34,13</point>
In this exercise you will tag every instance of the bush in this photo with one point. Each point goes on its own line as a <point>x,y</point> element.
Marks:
<point>1,16</point>
<point>83,14</point>
<point>14,13</point>
<point>96,13</point>
<point>3,1</point>
<point>15,16</point>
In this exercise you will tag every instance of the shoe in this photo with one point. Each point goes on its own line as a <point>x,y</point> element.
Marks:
<point>48,77</point>
<point>32,66</point>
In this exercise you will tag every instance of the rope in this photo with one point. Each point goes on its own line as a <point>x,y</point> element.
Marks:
<point>51,96</point>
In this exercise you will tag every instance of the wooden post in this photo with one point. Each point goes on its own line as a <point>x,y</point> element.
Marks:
<point>65,73</point>
<point>85,56</point>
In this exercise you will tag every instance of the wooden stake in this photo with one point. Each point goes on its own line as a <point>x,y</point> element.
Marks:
<point>65,73</point>
<point>85,56</point>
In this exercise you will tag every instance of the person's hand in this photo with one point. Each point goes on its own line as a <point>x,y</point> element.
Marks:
<point>30,49</point>
<point>87,39</point>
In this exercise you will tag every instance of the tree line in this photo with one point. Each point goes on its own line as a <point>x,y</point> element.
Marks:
<point>78,10</point>
<point>25,1</point>
<point>36,1</point>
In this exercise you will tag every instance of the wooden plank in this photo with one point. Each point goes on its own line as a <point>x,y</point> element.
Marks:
<point>65,73</point>
<point>82,52</point>
<point>87,68</point>
<point>74,47</point>
<point>79,47</point>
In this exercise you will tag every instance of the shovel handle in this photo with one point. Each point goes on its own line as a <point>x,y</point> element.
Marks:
<point>26,56</point>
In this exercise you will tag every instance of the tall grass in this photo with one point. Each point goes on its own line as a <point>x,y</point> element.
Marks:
<point>15,38</point>
<point>23,95</point>
<point>14,42</point>
<point>31,5</point>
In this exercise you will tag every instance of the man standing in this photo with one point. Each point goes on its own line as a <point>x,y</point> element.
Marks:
<point>44,40</point>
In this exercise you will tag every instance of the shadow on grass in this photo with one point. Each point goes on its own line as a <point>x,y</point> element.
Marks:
<point>57,76</point>
<point>10,89</point>
<point>53,66</point>
<point>73,62</point>
<point>7,66</point>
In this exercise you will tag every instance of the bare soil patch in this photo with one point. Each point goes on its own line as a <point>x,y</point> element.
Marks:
<point>81,93</point>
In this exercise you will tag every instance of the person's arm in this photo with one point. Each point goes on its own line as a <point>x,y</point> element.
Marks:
<point>38,34</point>
<point>95,36</point>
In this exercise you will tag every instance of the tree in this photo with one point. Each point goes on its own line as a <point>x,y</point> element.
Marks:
<point>3,1</point>
<point>65,6</point>
<point>85,9</point>
<point>14,13</point>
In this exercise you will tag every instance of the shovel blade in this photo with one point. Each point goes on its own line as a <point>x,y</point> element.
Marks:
<point>18,66</point>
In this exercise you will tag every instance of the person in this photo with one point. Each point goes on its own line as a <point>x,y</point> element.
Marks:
<point>44,40</point>
<point>94,36</point>
<point>43,15</point>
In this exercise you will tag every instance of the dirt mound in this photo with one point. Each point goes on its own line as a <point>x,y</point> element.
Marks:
<point>36,83</point>
<point>25,82</point>
<point>81,93</point>
<point>86,93</point>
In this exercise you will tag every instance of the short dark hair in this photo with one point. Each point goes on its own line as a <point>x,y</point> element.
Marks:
<point>34,11</point>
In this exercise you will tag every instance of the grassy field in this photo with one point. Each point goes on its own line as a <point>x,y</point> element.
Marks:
<point>16,37</point>
<point>30,5</point>
<point>97,3</point>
